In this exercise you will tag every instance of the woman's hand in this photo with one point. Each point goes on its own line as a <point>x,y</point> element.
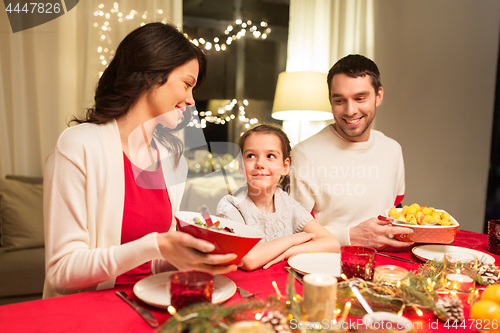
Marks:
<point>186,253</point>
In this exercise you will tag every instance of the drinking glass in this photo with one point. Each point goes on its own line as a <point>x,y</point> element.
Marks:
<point>494,236</point>
<point>188,288</point>
<point>358,261</point>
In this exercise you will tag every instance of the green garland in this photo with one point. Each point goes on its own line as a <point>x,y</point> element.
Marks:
<point>421,292</point>
<point>212,318</point>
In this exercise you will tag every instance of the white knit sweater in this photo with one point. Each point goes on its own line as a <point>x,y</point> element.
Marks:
<point>345,183</point>
<point>84,191</point>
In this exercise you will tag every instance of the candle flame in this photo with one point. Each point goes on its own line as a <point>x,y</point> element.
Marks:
<point>171,310</point>
<point>275,286</point>
<point>346,312</point>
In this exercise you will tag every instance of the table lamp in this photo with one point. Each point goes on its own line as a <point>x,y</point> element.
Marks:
<point>302,96</point>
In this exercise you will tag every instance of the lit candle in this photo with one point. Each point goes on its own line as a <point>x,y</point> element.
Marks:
<point>347,308</point>
<point>320,297</point>
<point>460,282</point>
<point>390,274</point>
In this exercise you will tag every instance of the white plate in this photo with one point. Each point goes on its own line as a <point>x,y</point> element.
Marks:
<point>319,263</point>
<point>393,323</point>
<point>155,289</point>
<point>436,252</point>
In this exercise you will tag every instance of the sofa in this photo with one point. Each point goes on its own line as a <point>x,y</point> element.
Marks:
<point>22,252</point>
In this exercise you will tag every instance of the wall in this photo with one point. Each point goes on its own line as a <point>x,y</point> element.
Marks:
<point>438,63</point>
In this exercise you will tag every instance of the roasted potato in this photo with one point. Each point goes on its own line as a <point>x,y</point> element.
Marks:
<point>421,215</point>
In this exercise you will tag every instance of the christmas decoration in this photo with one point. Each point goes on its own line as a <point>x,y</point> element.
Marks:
<point>488,274</point>
<point>206,317</point>
<point>277,321</point>
<point>453,307</point>
<point>422,292</point>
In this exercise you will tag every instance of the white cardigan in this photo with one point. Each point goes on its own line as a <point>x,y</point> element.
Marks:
<point>84,192</point>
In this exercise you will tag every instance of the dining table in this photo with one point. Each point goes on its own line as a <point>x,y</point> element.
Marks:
<point>102,311</point>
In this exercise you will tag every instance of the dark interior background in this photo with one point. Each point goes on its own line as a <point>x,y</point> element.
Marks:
<point>248,68</point>
<point>493,196</point>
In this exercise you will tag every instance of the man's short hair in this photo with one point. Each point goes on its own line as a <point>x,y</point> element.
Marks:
<point>355,65</point>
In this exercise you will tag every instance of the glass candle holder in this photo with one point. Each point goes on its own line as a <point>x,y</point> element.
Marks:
<point>459,271</point>
<point>390,275</point>
<point>358,261</point>
<point>188,288</point>
<point>494,236</point>
<point>320,297</point>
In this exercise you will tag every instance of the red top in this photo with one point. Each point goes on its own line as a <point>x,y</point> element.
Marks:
<point>147,209</point>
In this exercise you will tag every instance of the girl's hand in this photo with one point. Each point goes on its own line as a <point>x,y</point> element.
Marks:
<point>280,258</point>
<point>299,238</point>
<point>186,253</point>
<point>302,237</point>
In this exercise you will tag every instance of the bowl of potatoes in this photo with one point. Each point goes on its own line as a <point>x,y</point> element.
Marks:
<point>429,225</point>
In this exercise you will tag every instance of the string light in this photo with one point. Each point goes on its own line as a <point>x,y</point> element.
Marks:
<point>238,31</point>
<point>224,115</point>
<point>114,16</point>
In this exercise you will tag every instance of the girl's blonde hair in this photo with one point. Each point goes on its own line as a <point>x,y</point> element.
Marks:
<point>286,149</point>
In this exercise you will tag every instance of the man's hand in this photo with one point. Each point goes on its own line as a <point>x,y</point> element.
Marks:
<point>375,233</point>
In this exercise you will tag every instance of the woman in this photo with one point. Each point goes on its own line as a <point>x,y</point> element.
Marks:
<point>102,202</point>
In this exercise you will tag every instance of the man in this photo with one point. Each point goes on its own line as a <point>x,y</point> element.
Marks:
<point>348,174</point>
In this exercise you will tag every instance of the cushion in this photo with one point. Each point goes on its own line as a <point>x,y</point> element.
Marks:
<point>22,272</point>
<point>21,215</point>
<point>26,179</point>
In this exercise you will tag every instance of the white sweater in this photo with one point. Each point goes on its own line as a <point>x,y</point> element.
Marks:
<point>345,183</point>
<point>289,218</point>
<point>84,192</point>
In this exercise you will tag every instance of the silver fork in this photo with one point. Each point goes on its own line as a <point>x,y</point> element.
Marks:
<point>246,294</point>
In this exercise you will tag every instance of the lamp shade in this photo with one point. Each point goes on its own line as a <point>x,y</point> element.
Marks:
<point>301,96</point>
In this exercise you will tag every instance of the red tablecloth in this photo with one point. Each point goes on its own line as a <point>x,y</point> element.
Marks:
<point>103,311</point>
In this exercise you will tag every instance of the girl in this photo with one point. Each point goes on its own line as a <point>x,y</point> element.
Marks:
<point>288,227</point>
<point>105,216</point>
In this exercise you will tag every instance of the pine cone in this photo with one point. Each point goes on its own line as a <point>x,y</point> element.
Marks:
<point>277,321</point>
<point>453,307</point>
<point>489,273</point>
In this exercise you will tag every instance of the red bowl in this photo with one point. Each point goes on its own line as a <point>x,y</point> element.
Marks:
<point>435,234</point>
<point>241,242</point>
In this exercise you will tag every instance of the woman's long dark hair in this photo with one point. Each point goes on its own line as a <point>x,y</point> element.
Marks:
<point>286,149</point>
<point>143,60</point>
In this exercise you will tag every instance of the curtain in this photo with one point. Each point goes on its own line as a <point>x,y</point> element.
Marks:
<point>321,32</point>
<point>48,73</point>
